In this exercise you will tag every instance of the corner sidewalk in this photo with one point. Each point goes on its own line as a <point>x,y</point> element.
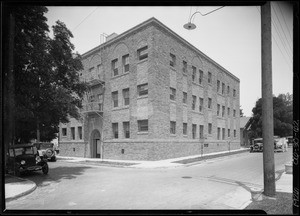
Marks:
<point>16,187</point>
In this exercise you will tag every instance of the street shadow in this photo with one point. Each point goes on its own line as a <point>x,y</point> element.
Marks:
<point>255,194</point>
<point>56,174</point>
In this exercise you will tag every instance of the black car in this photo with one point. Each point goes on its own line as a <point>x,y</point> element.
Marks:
<point>46,150</point>
<point>256,145</point>
<point>25,158</point>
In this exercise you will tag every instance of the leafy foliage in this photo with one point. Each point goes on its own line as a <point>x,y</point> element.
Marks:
<point>47,85</point>
<point>282,116</point>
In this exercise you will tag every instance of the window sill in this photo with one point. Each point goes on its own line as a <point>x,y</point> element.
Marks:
<point>185,136</point>
<point>185,73</point>
<point>172,68</point>
<point>142,133</point>
<point>120,108</point>
<point>120,75</point>
<point>172,135</point>
<point>197,112</point>
<point>200,85</point>
<point>142,61</point>
<point>143,96</point>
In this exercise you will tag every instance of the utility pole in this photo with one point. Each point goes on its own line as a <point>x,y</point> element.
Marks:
<point>267,101</point>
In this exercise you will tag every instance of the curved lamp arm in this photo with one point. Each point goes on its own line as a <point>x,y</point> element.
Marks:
<point>191,26</point>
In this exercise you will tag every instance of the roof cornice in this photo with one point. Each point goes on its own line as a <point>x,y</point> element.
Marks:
<point>152,21</point>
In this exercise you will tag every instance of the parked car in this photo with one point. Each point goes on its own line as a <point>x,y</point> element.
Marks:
<point>280,144</point>
<point>25,158</point>
<point>290,140</point>
<point>46,150</point>
<point>256,145</point>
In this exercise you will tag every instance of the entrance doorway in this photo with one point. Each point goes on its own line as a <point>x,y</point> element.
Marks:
<point>96,144</point>
<point>98,148</point>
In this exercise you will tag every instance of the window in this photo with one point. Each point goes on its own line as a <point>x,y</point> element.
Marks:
<point>234,92</point>
<point>234,112</point>
<point>200,77</point>
<point>228,111</point>
<point>142,89</point>
<point>194,73</point>
<point>219,133</point>
<point>115,130</point>
<point>228,132</point>
<point>92,98</point>
<point>114,96</point>
<point>209,103</point>
<point>184,99</point>
<point>200,104</point>
<point>126,96</point>
<point>194,102</point>
<point>201,129</point>
<point>218,109</point>
<point>125,61</point>
<point>79,133</point>
<point>64,131</point>
<point>194,128</point>
<point>126,128</point>
<point>184,128</point>
<point>172,60</point>
<point>72,133</point>
<point>173,127</point>
<point>142,53</point>
<point>223,88</point>
<point>172,94</point>
<point>184,66</point>
<point>99,68</point>
<point>114,67</point>
<point>100,100</point>
<point>228,89</point>
<point>223,133</point>
<point>209,128</point>
<point>234,133</point>
<point>223,111</point>
<point>209,78</point>
<point>92,70</point>
<point>218,86</point>
<point>142,125</point>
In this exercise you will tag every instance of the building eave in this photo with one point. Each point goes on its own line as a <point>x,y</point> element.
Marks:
<point>153,21</point>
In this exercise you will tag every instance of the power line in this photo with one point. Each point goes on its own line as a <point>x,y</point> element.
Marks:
<point>278,32</point>
<point>85,18</point>
<point>277,45</point>
<point>288,30</point>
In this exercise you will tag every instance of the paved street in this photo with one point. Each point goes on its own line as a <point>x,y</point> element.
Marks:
<point>206,185</point>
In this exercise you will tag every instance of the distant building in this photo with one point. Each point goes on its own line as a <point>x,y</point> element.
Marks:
<point>153,96</point>
<point>245,127</point>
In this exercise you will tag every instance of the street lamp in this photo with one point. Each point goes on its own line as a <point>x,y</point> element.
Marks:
<point>190,25</point>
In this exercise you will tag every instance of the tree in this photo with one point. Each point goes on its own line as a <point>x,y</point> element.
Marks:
<point>282,116</point>
<point>47,85</point>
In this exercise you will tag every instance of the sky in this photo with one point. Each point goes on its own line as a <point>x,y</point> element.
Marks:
<point>231,36</point>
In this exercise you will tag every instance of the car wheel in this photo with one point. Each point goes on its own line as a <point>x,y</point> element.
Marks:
<point>45,168</point>
<point>17,171</point>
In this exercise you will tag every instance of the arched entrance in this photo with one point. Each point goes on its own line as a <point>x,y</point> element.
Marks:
<point>95,142</point>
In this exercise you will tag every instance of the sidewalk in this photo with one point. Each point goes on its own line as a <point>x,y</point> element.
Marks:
<point>239,199</point>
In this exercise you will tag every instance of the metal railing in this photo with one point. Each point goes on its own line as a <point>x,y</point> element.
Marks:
<point>92,107</point>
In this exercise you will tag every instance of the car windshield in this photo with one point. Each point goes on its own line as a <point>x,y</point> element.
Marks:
<point>46,145</point>
<point>257,141</point>
<point>23,151</point>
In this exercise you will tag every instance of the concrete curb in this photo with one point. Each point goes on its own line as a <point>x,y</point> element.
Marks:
<point>25,192</point>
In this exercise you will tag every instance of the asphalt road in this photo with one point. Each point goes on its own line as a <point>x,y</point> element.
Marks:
<point>200,186</point>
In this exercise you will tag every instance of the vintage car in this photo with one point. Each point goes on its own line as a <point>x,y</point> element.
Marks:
<point>24,158</point>
<point>279,144</point>
<point>46,150</point>
<point>290,140</point>
<point>256,145</point>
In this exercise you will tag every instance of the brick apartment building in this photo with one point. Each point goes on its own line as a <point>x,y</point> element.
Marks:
<point>153,96</point>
